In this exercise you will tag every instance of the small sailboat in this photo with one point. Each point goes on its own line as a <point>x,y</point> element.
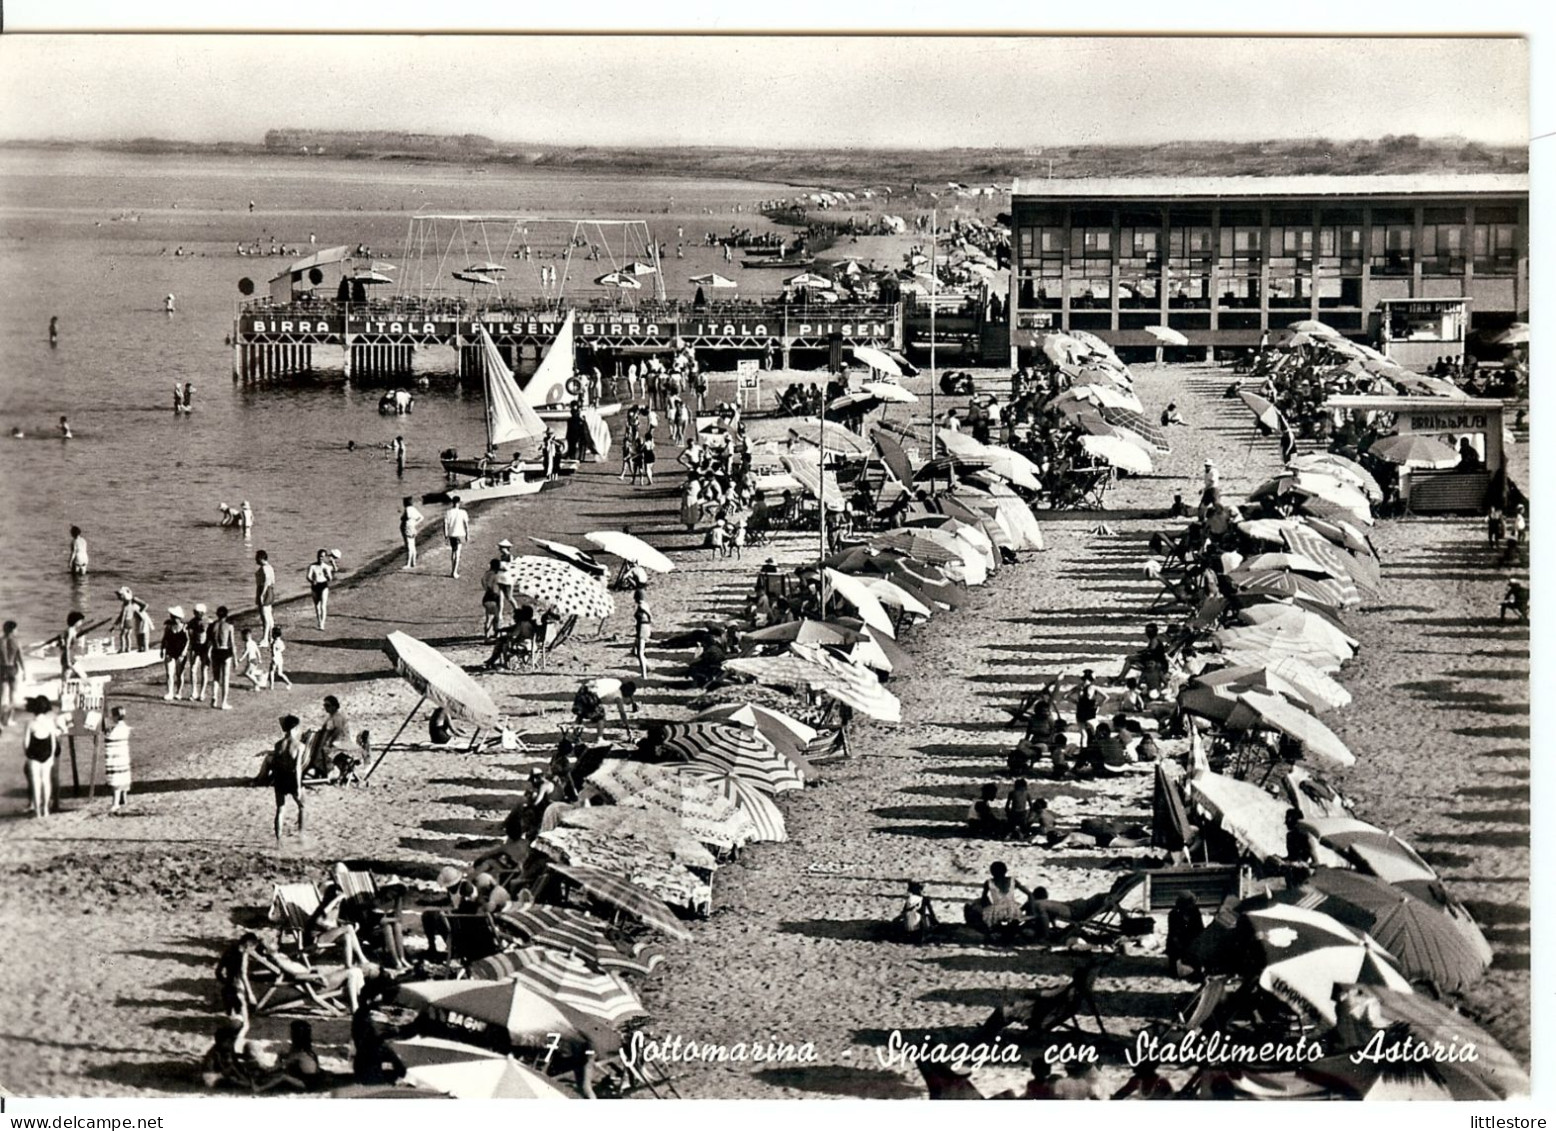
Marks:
<point>509,419</point>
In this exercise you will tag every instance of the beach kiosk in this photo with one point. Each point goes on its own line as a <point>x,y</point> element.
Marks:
<point>1416,332</point>
<point>1456,489</point>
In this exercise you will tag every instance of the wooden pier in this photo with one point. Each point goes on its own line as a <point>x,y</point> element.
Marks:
<point>381,339</point>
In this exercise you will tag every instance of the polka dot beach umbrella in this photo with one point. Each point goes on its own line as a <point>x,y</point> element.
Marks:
<point>567,589</point>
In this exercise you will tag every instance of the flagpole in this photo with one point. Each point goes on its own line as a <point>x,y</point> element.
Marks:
<point>934,223</point>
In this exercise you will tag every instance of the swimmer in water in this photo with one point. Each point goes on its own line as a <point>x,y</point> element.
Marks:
<point>64,429</point>
<point>54,330</point>
<point>18,434</point>
<point>351,445</point>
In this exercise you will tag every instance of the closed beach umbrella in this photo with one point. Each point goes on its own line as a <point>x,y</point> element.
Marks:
<point>1493,1075</point>
<point>564,587</point>
<point>1167,335</point>
<point>572,555</point>
<point>571,981</point>
<point>758,805</point>
<point>1271,712</point>
<point>469,1073</point>
<point>1307,954</point>
<point>441,680</point>
<point>1120,453</point>
<point>611,889</point>
<point>715,280</point>
<point>1425,942</point>
<point>857,594</point>
<point>1416,449</point>
<point>630,548</point>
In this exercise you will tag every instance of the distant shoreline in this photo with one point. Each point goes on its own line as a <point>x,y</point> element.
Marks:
<point>860,168</point>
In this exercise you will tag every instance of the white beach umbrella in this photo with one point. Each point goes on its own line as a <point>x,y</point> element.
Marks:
<point>630,548</point>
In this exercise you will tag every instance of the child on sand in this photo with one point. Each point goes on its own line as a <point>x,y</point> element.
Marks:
<point>253,668</point>
<point>116,761</point>
<point>278,660</point>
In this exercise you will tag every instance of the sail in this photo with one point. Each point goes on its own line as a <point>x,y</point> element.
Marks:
<point>509,416</point>
<point>549,385</point>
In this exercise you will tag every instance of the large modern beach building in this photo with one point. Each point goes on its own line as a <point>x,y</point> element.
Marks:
<point>1421,257</point>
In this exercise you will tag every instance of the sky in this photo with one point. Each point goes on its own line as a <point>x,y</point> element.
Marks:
<point>795,92</point>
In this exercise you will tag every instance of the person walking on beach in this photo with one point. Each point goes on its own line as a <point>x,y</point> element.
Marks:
<point>253,668</point>
<point>79,558</point>
<point>40,743</point>
<point>265,596</point>
<point>643,618</point>
<point>116,761</point>
<point>278,660</point>
<point>319,575</point>
<point>223,651</point>
<point>13,669</point>
<point>175,642</point>
<point>410,522</point>
<point>284,765</point>
<point>456,528</point>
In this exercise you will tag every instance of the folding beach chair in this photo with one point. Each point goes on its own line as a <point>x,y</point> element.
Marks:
<point>1102,919</point>
<point>1054,1009</point>
<point>291,906</point>
<point>298,993</point>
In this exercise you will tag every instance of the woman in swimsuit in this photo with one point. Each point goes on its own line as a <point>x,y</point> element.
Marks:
<point>40,742</point>
<point>223,649</point>
<point>320,574</point>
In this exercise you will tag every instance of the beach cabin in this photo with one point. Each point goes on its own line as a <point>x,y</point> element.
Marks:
<point>318,275</point>
<point>1416,332</point>
<point>1430,487</point>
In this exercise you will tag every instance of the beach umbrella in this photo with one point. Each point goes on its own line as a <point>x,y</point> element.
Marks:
<point>1255,819</point>
<point>558,928</point>
<point>876,360</point>
<point>1284,583</point>
<point>570,980</point>
<point>743,749</point>
<point>1002,461</point>
<point>840,440</point>
<point>636,268</point>
<point>1136,424</point>
<point>1425,942</point>
<point>644,867</point>
<point>714,280</point>
<point>809,279</point>
<point>782,730</point>
<point>1264,412</point>
<point>1100,396</point>
<point>893,456</point>
<point>920,579</point>
<point>1305,623</point>
<point>611,889</point>
<point>1341,533</point>
<point>1272,712</point>
<point>763,811</point>
<point>915,543</point>
<point>874,649</point>
<point>371,278</point>
<point>1360,569</point>
<point>853,404</point>
<point>1348,470</point>
<point>630,548</point>
<point>815,481</point>
<point>857,594</point>
<point>810,631</point>
<point>654,832</point>
<point>1307,954</point>
<point>806,667</point>
<point>517,1013</point>
<point>1167,335</point>
<point>700,809</point>
<point>618,280</point>
<point>487,267</point>
<point>469,1073</point>
<point>889,393</point>
<point>1515,335</point>
<point>439,679</point>
<point>1370,849</point>
<point>967,531</point>
<point>1120,453</point>
<point>1492,1075</point>
<point>1314,329</point>
<point>1232,681</point>
<point>476,277</point>
<point>563,586</point>
<point>1416,449</point>
<point>1291,561</point>
<point>572,555</point>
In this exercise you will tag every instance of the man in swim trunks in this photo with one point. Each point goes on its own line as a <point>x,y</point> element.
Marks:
<point>456,528</point>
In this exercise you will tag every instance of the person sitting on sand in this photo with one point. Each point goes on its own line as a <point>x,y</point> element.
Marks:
<point>1516,600</point>
<point>230,1061</point>
<point>1059,754</point>
<point>917,921</point>
<point>1018,811</point>
<point>982,818</point>
<point>1184,924</point>
<point>1146,1084</point>
<point>998,910</point>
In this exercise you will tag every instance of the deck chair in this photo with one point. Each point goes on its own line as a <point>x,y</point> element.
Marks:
<point>1101,918</point>
<point>828,745</point>
<point>296,989</point>
<point>1054,1009</point>
<point>291,906</point>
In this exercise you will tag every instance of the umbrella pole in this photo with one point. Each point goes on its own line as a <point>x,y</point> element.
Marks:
<point>384,752</point>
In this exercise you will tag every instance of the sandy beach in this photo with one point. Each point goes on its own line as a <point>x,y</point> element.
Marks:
<point>111,925</point>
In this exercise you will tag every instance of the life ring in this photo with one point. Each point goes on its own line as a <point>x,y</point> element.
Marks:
<point>574,386</point>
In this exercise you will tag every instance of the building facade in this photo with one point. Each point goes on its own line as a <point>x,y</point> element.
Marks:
<point>1223,259</point>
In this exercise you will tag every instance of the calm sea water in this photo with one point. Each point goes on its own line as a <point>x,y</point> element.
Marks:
<point>90,238</point>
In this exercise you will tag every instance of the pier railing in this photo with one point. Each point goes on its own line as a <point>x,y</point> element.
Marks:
<point>529,310</point>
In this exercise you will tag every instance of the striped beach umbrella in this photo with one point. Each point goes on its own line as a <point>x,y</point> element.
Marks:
<point>701,809</point>
<point>1136,423</point>
<point>564,587</point>
<point>782,730</point>
<point>625,897</point>
<point>1370,849</point>
<point>721,742</point>
<point>1308,953</point>
<point>506,1009</point>
<point>916,543</point>
<point>817,671</point>
<point>763,810</point>
<point>570,980</point>
<point>771,772</point>
<point>572,932</point>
